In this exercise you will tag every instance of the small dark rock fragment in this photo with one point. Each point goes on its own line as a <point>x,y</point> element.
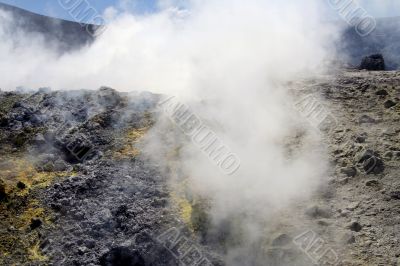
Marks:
<point>388,155</point>
<point>366,119</point>
<point>3,194</point>
<point>360,139</point>
<point>35,223</point>
<point>373,62</point>
<point>395,195</point>
<point>3,120</point>
<point>90,244</point>
<point>355,226</point>
<point>389,103</point>
<point>372,183</point>
<point>316,212</point>
<point>371,162</point>
<point>382,93</point>
<point>21,185</point>
<point>349,171</point>
<point>120,256</point>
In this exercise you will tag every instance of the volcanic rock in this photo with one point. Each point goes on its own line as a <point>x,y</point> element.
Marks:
<point>318,212</point>
<point>395,195</point>
<point>389,104</point>
<point>382,93</point>
<point>120,256</point>
<point>371,162</point>
<point>366,119</point>
<point>355,226</point>
<point>349,171</point>
<point>3,194</point>
<point>373,62</point>
<point>35,223</point>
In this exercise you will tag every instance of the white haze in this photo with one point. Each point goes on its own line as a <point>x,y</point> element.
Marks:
<point>234,54</point>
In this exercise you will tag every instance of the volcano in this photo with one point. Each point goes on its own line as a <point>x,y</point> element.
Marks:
<point>68,35</point>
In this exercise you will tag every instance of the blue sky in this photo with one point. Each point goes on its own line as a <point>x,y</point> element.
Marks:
<point>377,8</point>
<point>53,8</point>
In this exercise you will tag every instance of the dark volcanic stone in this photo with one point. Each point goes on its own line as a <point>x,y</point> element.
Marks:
<point>21,185</point>
<point>382,93</point>
<point>3,120</point>
<point>35,223</point>
<point>316,212</point>
<point>373,62</point>
<point>360,139</point>
<point>349,171</point>
<point>366,119</point>
<point>3,194</point>
<point>355,226</point>
<point>389,104</point>
<point>395,195</point>
<point>371,162</point>
<point>372,183</point>
<point>122,256</point>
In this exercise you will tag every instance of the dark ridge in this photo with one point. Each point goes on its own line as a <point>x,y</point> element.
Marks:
<point>67,35</point>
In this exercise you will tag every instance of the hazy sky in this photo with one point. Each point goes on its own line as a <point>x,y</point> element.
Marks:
<point>377,8</point>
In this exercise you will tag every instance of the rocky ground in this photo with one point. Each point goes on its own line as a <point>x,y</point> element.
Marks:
<point>75,188</point>
<point>357,212</point>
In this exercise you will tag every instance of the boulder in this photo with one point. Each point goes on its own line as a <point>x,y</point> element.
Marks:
<point>373,62</point>
<point>371,162</point>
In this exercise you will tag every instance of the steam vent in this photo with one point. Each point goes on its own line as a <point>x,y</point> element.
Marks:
<point>199,133</point>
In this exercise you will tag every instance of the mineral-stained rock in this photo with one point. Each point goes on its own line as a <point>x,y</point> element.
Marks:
<point>373,62</point>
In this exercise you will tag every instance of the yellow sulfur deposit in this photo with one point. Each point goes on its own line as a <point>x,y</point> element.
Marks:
<point>20,170</point>
<point>131,138</point>
<point>19,178</point>
<point>35,254</point>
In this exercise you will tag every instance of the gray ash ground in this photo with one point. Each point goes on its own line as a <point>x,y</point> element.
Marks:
<point>109,203</point>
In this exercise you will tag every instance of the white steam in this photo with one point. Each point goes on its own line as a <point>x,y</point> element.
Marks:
<point>233,55</point>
